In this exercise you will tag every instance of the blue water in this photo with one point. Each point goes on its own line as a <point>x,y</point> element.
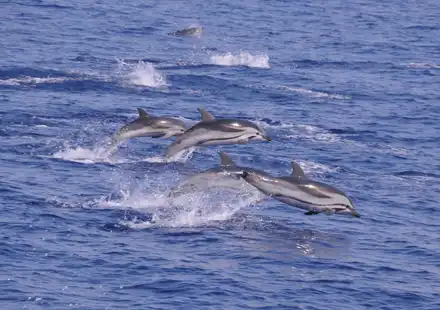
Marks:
<point>348,89</point>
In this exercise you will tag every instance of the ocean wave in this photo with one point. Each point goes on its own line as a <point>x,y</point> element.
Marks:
<point>241,59</point>
<point>309,132</point>
<point>300,90</point>
<point>418,176</point>
<point>32,81</point>
<point>55,80</point>
<point>312,93</point>
<point>141,74</point>
<point>127,74</point>
<point>300,131</point>
<point>269,123</point>
<point>320,135</point>
<point>423,65</point>
<point>311,167</point>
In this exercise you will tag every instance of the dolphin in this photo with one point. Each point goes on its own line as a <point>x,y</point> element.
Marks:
<point>147,125</point>
<point>212,131</point>
<point>300,191</point>
<point>227,175</point>
<point>192,31</point>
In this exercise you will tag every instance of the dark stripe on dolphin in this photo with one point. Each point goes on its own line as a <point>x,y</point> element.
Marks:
<point>313,204</point>
<point>219,139</point>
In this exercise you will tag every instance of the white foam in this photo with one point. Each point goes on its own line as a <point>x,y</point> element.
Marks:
<point>312,93</point>
<point>241,59</point>
<point>142,74</point>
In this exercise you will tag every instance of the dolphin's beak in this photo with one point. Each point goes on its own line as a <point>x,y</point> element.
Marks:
<point>267,138</point>
<point>243,174</point>
<point>355,214</point>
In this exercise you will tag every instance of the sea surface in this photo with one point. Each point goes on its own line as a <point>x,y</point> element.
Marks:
<point>348,89</point>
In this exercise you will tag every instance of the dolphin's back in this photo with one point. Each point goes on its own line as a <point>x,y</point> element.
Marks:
<point>212,178</point>
<point>187,31</point>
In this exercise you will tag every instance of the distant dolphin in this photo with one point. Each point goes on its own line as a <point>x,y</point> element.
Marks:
<point>299,191</point>
<point>212,131</point>
<point>192,31</point>
<point>224,176</point>
<point>147,125</point>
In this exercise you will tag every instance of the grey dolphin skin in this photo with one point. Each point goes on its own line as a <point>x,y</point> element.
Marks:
<point>300,191</point>
<point>147,125</point>
<point>227,175</point>
<point>212,131</point>
<point>192,31</point>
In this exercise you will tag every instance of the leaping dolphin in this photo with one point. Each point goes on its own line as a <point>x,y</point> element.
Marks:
<point>300,191</point>
<point>192,31</point>
<point>212,131</point>
<point>227,175</point>
<point>147,125</point>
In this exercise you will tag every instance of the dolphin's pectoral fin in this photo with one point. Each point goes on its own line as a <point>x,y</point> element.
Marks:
<point>339,209</point>
<point>311,213</point>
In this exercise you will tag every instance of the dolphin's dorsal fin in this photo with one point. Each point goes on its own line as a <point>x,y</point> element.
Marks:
<point>142,113</point>
<point>206,116</point>
<point>225,160</point>
<point>297,171</point>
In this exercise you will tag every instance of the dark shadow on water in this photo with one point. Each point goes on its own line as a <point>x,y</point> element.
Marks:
<point>282,239</point>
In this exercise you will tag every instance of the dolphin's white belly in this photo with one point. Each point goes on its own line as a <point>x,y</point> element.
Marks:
<point>303,198</point>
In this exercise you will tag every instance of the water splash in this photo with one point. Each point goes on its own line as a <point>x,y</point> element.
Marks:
<point>141,74</point>
<point>189,210</point>
<point>100,153</point>
<point>181,157</point>
<point>241,59</point>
